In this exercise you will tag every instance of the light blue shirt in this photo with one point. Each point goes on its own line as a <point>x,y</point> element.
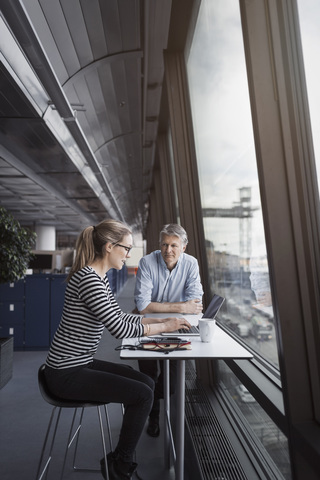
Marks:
<point>155,283</point>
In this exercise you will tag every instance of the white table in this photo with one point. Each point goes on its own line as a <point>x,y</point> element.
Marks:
<point>222,346</point>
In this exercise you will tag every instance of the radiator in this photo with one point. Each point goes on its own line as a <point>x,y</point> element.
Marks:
<point>215,454</point>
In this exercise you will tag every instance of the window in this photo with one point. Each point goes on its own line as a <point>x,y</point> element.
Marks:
<point>263,431</point>
<point>231,206</point>
<point>229,183</point>
<point>309,12</point>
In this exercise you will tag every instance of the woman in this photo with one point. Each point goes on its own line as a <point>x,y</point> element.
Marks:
<point>89,307</point>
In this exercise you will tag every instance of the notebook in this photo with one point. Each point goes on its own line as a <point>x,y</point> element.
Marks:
<point>165,343</point>
<point>211,312</point>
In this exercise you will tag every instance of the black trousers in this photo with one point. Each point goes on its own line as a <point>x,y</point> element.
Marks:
<point>108,382</point>
<point>155,370</point>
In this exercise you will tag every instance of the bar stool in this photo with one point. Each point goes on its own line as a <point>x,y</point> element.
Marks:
<point>58,405</point>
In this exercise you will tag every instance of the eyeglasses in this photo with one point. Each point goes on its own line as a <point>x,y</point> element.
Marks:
<point>128,249</point>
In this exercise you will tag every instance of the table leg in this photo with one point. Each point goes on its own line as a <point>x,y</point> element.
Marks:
<point>180,420</point>
<point>166,402</point>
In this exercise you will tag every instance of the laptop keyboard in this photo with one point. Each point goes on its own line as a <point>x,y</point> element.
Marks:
<point>193,329</point>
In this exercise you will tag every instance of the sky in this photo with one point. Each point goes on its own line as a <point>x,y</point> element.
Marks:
<point>222,120</point>
<point>222,117</point>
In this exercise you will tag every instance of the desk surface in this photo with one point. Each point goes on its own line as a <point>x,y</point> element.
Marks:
<point>222,346</point>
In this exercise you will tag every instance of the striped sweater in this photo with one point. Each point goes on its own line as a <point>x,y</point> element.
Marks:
<point>89,307</point>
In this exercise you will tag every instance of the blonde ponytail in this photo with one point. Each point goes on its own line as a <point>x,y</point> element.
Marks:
<point>91,240</point>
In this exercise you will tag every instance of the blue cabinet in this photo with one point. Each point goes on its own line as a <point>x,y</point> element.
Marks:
<point>44,297</point>
<point>37,312</point>
<point>30,310</point>
<point>57,291</point>
<point>12,291</point>
<point>117,278</point>
<point>12,322</point>
<point>12,312</point>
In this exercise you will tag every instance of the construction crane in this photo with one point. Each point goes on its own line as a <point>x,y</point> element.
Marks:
<point>242,210</point>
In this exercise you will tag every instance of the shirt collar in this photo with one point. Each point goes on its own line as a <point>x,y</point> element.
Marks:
<point>163,263</point>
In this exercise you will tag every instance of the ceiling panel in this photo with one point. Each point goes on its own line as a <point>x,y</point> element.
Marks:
<point>85,135</point>
<point>12,100</point>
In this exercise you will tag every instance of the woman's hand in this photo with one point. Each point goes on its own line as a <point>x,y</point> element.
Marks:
<point>152,326</point>
<point>173,323</point>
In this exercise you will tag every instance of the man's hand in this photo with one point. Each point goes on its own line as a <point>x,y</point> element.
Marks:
<point>192,306</point>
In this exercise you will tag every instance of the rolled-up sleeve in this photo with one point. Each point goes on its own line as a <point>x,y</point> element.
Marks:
<point>193,288</point>
<point>144,286</point>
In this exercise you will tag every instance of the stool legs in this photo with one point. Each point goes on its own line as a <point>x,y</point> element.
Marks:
<point>46,467</point>
<point>108,425</point>
<point>103,441</point>
<point>72,436</point>
<point>77,436</point>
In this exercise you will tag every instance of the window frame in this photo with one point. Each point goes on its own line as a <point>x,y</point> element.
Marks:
<point>291,214</point>
<point>289,194</point>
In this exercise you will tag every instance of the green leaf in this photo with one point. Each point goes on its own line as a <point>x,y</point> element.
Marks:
<point>16,245</point>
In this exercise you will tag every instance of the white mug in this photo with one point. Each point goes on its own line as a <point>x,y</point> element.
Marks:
<point>206,327</point>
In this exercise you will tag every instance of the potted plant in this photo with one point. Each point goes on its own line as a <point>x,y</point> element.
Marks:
<point>16,245</point>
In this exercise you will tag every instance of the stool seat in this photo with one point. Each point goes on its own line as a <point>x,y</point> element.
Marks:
<point>57,401</point>
<point>58,405</point>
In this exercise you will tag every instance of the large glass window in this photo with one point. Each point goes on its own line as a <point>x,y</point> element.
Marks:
<point>264,433</point>
<point>309,21</point>
<point>231,205</point>
<point>309,13</point>
<point>229,183</point>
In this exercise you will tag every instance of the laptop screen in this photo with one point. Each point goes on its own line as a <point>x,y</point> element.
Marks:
<point>211,312</point>
<point>214,307</point>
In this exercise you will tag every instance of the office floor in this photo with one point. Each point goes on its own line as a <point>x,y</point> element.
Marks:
<point>24,417</point>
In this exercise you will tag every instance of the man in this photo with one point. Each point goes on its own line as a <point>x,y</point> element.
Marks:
<point>167,281</point>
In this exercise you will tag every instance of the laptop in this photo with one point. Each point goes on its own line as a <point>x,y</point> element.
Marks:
<point>211,312</point>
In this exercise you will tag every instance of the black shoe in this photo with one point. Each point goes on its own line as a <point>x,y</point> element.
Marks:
<point>117,469</point>
<point>153,428</point>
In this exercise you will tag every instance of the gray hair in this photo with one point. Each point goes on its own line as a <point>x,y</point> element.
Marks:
<point>173,229</point>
